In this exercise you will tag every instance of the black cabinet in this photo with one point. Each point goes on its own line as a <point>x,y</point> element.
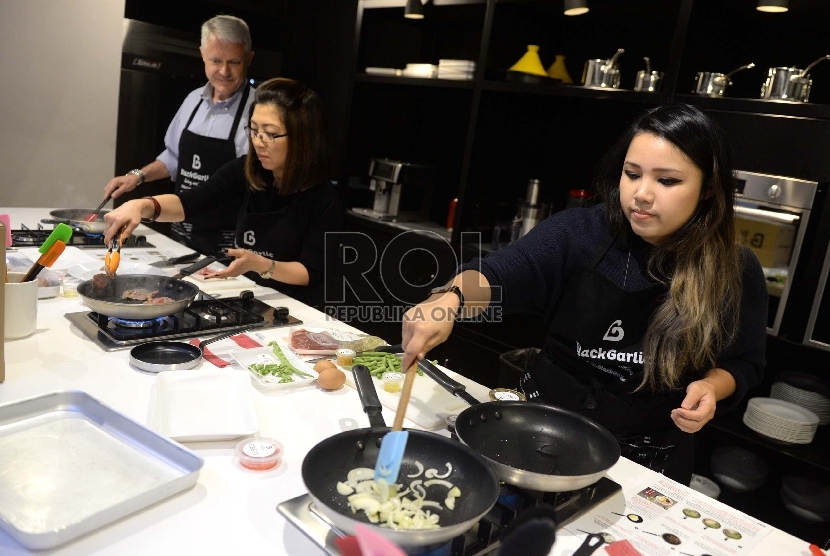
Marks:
<point>488,136</point>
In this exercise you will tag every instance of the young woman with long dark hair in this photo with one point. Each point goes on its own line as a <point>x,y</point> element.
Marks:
<point>656,317</point>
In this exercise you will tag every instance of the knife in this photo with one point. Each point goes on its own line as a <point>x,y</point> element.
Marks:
<point>176,260</point>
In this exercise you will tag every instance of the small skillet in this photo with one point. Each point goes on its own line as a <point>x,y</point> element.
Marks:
<point>156,357</point>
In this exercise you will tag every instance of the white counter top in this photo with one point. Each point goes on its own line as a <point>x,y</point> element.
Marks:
<point>231,510</point>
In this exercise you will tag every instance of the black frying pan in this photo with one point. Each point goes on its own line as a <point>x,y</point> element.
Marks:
<point>330,461</point>
<point>173,356</point>
<point>532,445</point>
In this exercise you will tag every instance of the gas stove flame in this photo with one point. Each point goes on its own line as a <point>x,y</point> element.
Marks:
<point>128,323</point>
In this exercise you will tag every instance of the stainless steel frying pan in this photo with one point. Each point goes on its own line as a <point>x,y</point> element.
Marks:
<point>75,218</point>
<point>106,296</point>
<point>107,300</point>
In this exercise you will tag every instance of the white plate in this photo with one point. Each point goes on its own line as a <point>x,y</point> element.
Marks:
<point>86,271</point>
<point>198,405</point>
<point>783,411</point>
<point>247,357</point>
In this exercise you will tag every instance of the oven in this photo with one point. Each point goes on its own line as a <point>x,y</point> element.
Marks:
<point>772,218</point>
<point>817,331</point>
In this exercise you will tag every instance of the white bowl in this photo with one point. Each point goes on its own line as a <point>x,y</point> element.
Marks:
<point>802,513</point>
<point>48,291</point>
<point>705,486</point>
<point>736,484</point>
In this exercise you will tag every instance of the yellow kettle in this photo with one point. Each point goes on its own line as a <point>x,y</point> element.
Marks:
<point>530,62</point>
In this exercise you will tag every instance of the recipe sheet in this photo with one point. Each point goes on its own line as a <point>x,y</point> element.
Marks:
<point>662,518</point>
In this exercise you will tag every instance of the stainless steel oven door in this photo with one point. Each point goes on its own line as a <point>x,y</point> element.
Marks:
<point>818,324</point>
<point>771,215</point>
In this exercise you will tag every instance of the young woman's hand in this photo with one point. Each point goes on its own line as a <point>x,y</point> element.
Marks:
<point>244,261</point>
<point>697,408</point>
<point>425,326</point>
<point>126,216</point>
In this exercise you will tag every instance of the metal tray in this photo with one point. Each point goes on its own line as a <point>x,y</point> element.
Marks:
<point>70,464</point>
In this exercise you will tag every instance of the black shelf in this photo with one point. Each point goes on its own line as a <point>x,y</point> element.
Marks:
<point>758,106</point>
<point>765,504</point>
<point>413,81</point>
<point>575,91</point>
<point>809,459</point>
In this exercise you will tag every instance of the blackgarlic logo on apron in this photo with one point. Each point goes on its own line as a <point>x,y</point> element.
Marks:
<point>248,238</point>
<point>615,333</point>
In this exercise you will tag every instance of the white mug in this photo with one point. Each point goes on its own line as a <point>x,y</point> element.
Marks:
<point>21,307</point>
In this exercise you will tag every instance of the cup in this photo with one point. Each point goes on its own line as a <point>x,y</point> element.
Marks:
<point>21,307</point>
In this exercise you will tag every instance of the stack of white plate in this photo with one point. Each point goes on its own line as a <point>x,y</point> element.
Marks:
<point>780,420</point>
<point>456,69</point>
<point>814,402</point>
<point>420,70</point>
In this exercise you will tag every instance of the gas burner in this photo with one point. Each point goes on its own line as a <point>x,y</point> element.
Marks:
<point>127,323</point>
<point>481,537</point>
<point>204,316</point>
<point>26,237</point>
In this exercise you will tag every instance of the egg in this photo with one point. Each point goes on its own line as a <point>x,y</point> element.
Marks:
<point>331,379</point>
<point>320,366</point>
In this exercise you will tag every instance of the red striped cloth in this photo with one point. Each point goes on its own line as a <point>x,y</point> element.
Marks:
<point>210,356</point>
<point>245,341</point>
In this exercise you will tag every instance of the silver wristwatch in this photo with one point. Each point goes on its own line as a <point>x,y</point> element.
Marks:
<point>139,173</point>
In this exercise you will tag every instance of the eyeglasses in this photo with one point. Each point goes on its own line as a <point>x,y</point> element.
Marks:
<point>264,136</point>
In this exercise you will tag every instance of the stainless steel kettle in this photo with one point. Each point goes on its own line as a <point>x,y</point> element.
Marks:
<point>789,83</point>
<point>714,84</point>
<point>648,80</point>
<point>602,73</point>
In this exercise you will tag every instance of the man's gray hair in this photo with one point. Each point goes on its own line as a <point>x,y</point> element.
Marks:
<point>227,28</point>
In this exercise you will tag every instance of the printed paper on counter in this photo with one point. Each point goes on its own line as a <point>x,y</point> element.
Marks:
<point>664,518</point>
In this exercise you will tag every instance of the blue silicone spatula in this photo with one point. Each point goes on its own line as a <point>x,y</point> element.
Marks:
<point>393,445</point>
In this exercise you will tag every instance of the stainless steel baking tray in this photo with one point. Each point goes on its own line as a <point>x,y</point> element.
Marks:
<point>70,464</point>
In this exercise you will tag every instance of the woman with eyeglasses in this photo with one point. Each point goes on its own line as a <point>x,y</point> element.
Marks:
<point>288,204</point>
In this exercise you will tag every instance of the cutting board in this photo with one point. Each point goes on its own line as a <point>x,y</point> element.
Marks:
<point>218,284</point>
<point>429,404</point>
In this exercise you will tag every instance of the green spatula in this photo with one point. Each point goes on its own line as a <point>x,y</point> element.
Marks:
<point>393,445</point>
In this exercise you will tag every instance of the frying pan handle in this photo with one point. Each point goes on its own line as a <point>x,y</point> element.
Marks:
<point>589,545</point>
<point>198,265</point>
<point>397,348</point>
<point>450,385</point>
<point>368,395</point>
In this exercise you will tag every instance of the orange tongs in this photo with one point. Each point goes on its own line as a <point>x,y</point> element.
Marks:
<point>113,258</point>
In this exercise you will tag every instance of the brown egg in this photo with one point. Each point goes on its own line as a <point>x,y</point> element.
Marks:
<point>331,379</point>
<point>320,366</point>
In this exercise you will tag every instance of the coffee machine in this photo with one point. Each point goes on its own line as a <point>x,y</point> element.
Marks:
<point>403,190</point>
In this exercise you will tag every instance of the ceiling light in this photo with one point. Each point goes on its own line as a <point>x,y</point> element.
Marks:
<point>579,7</point>
<point>414,9</point>
<point>773,6</point>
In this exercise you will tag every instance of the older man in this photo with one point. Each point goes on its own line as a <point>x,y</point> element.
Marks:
<point>207,132</point>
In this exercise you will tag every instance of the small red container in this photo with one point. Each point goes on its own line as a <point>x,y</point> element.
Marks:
<point>259,453</point>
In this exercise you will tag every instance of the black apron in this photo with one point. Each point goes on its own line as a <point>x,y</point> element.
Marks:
<point>592,363</point>
<point>199,158</point>
<point>277,235</point>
